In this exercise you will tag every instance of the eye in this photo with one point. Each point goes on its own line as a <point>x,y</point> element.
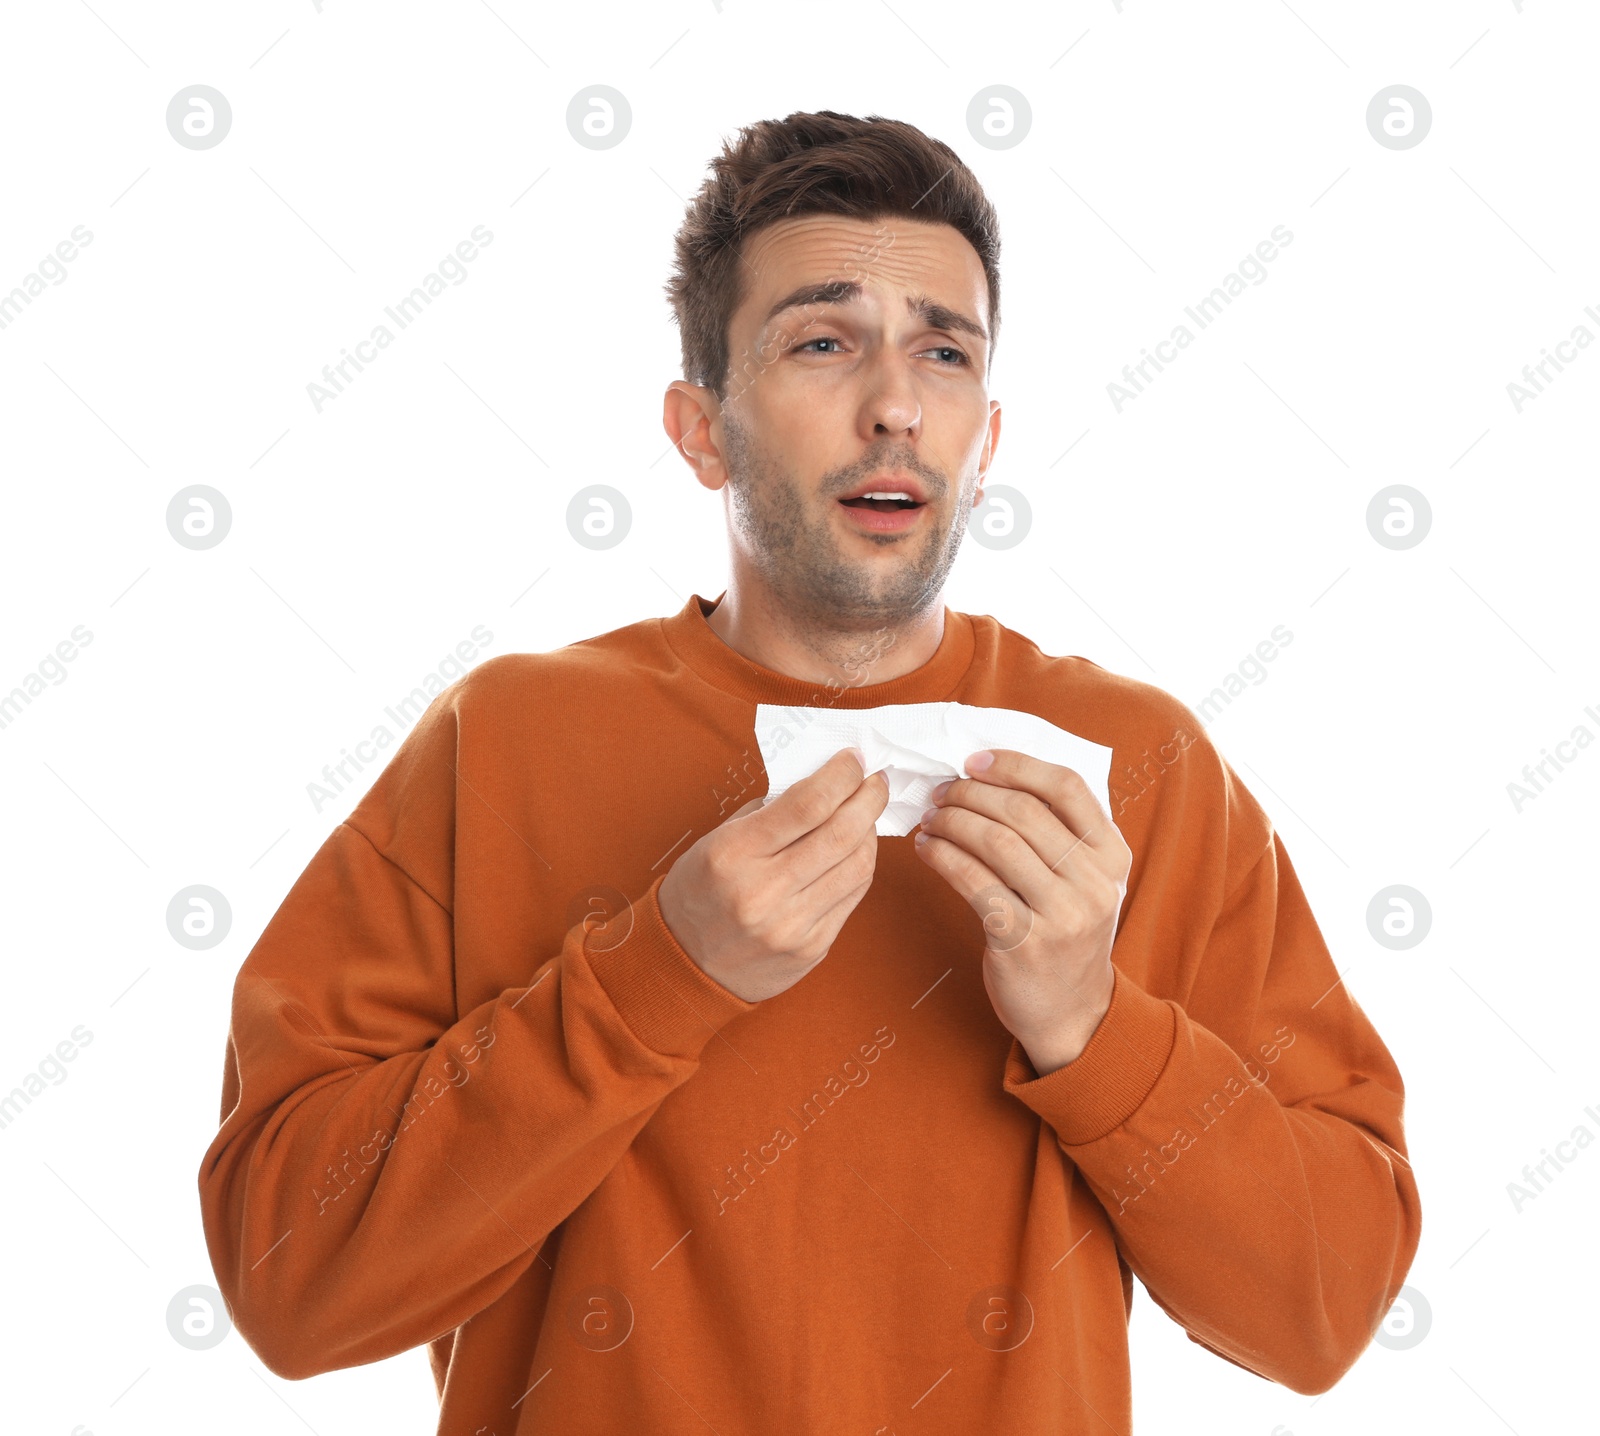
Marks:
<point>957,360</point>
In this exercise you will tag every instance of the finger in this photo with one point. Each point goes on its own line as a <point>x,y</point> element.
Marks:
<point>828,925</point>
<point>1002,854</point>
<point>752,806</point>
<point>806,805</point>
<point>1061,850</point>
<point>968,874</point>
<point>824,848</point>
<point>1006,916</point>
<point>1065,790</point>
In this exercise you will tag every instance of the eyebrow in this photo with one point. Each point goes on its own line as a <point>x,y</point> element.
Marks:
<point>849,291</point>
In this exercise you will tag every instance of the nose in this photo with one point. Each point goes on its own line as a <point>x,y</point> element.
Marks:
<point>890,404</point>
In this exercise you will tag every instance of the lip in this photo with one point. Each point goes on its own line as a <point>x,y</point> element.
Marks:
<point>883,521</point>
<point>888,483</point>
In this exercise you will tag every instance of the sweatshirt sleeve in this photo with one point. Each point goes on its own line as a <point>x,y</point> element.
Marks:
<point>387,1167</point>
<point>1261,1192</point>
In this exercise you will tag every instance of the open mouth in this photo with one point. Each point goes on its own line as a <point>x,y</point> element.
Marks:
<point>885,506</point>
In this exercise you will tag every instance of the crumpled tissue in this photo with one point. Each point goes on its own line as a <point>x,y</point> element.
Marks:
<point>918,746</point>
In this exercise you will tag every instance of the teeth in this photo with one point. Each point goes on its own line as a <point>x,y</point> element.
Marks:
<point>895,495</point>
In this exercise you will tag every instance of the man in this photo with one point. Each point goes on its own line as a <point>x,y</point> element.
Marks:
<point>653,1106</point>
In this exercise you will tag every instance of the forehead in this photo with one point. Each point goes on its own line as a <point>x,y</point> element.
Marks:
<point>887,255</point>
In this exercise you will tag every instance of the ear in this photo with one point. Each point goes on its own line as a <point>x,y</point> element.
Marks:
<point>992,443</point>
<point>688,412</point>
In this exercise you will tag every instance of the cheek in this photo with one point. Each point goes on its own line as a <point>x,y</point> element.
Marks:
<point>956,414</point>
<point>798,430</point>
<point>975,430</point>
<point>789,414</point>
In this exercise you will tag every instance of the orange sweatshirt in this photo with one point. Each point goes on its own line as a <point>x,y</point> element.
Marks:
<point>477,1096</point>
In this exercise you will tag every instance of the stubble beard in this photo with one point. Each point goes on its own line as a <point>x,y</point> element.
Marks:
<point>792,542</point>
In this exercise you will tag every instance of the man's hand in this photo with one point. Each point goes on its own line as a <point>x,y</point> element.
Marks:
<point>1030,846</point>
<point>758,901</point>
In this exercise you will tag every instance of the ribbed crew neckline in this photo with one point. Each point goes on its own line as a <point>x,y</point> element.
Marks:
<point>693,639</point>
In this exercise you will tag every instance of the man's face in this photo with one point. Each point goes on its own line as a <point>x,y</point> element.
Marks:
<point>879,387</point>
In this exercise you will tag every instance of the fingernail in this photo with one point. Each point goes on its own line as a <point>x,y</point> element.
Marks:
<point>930,813</point>
<point>861,758</point>
<point>920,839</point>
<point>979,761</point>
<point>942,789</point>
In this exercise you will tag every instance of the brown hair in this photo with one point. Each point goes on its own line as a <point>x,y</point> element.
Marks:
<point>824,163</point>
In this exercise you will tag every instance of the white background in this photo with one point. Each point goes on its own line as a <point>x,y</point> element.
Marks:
<point>369,539</point>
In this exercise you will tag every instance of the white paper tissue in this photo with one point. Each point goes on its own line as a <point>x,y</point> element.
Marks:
<point>918,745</point>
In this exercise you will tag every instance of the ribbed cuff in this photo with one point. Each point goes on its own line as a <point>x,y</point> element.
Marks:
<point>1108,1081</point>
<point>665,997</point>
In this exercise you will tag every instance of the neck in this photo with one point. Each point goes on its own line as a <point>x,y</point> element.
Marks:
<point>844,654</point>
